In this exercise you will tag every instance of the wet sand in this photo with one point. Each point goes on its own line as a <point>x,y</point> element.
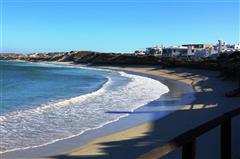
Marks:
<point>140,138</point>
<point>210,102</point>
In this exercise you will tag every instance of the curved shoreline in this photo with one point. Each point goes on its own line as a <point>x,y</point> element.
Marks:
<point>80,98</point>
<point>142,131</point>
<point>210,102</point>
<point>92,134</point>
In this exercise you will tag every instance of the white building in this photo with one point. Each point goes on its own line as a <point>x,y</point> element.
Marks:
<point>190,50</point>
<point>236,47</point>
<point>155,51</point>
<point>199,50</point>
<point>232,48</point>
<point>174,51</point>
<point>140,52</point>
<point>222,47</point>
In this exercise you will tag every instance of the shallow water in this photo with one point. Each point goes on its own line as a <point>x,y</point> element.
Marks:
<point>58,102</point>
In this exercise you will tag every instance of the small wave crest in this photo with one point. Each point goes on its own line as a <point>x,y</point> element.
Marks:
<point>51,106</point>
<point>59,120</point>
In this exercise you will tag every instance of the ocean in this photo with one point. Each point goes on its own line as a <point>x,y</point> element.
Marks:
<point>42,103</point>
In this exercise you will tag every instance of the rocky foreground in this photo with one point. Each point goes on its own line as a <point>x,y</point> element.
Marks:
<point>228,65</point>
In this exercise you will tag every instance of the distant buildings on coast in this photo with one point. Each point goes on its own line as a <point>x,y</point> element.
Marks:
<point>190,50</point>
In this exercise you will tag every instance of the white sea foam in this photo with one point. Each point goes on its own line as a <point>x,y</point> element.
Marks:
<point>64,119</point>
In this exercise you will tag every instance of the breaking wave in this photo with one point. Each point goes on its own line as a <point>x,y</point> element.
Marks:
<point>71,117</point>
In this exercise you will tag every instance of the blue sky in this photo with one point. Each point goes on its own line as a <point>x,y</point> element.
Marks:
<point>115,25</point>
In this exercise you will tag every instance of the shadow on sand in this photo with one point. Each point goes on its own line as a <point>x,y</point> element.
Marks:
<point>210,102</point>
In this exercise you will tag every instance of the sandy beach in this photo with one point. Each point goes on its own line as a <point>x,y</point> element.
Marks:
<point>133,142</point>
<point>120,79</point>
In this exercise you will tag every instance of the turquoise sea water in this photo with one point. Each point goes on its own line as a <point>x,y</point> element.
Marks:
<point>42,103</point>
<point>27,85</point>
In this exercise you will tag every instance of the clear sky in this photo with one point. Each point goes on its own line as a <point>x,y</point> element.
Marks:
<point>115,25</point>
